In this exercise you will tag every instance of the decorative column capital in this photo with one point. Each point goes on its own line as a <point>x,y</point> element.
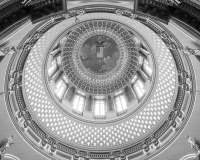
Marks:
<point>53,148</point>
<point>146,148</point>
<point>44,142</point>
<point>174,125</point>
<point>76,156</point>
<point>122,156</point>
<point>112,157</point>
<point>155,142</point>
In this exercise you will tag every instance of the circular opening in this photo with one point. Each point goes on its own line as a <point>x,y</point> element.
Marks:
<point>99,54</point>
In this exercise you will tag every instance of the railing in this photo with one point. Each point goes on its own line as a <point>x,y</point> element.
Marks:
<point>187,27</point>
<point>14,26</point>
<point>5,3</point>
<point>135,147</point>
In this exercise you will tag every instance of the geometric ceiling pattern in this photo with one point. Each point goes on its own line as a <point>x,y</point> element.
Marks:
<point>150,124</point>
<point>108,82</point>
<point>107,135</point>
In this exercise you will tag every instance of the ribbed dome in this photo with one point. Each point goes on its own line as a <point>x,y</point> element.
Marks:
<point>111,80</point>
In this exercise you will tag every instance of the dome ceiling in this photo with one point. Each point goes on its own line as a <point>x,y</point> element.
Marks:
<point>99,56</point>
<point>119,71</point>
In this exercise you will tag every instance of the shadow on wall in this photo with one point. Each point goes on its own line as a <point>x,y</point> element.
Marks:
<point>197,45</point>
<point>4,44</point>
<point>2,142</point>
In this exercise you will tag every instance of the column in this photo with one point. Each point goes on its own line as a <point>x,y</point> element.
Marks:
<point>64,92</point>
<point>93,103</point>
<point>55,52</point>
<point>70,93</point>
<point>143,75</point>
<point>110,104</point>
<point>50,59</point>
<point>133,91</point>
<point>113,101</point>
<point>88,103</point>
<point>129,93</point>
<point>57,75</point>
<point>143,51</point>
<point>67,88</point>
<point>146,74</point>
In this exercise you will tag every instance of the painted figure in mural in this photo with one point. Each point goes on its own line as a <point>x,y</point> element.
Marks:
<point>100,49</point>
<point>194,146</point>
<point>9,142</point>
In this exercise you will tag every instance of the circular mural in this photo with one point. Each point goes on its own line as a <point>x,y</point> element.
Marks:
<point>100,54</point>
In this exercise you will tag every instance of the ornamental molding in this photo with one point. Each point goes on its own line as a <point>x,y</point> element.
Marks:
<point>27,123</point>
<point>109,82</point>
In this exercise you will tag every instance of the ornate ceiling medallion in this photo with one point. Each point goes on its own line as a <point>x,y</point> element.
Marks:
<point>164,103</point>
<point>100,56</point>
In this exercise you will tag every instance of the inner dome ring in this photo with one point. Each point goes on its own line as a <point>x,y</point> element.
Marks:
<point>102,83</point>
<point>122,51</point>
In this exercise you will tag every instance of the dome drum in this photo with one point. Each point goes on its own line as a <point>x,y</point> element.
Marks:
<point>94,82</point>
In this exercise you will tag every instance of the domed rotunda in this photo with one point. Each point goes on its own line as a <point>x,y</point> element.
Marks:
<point>99,80</point>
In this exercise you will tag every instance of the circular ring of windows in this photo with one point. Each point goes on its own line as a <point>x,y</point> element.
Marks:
<point>100,70</point>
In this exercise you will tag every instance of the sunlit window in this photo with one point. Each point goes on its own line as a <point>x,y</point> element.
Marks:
<point>147,68</point>
<point>60,88</point>
<point>65,79</point>
<point>140,60</point>
<point>78,103</point>
<point>52,68</point>
<point>134,79</point>
<point>139,88</point>
<point>121,103</point>
<point>59,60</point>
<point>100,107</point>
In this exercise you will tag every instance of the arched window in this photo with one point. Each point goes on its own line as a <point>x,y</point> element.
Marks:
<point>139,88</point>
<point>121,103</point>
<point>78,103</point>
<point>65,79</point>
<point>60,88</point>
<point>134,79</point>
<point>99,107</point>
<point>52,68</point>
<point>58,60</point>
<point>140,60</point>
<point>147,69</point>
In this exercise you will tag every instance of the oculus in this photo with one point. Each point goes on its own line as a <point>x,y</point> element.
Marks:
<point>99,54</point>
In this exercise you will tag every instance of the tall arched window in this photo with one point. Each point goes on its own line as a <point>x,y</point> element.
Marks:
<point>134,79</point>
<point>78,103</point>
<point>139,88</point>
<point>99,107</point>
<point>140,60</point>
<point>60,88</point>
<point>121,103</point>
<point>59,60</point>
<point>65,79</point>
